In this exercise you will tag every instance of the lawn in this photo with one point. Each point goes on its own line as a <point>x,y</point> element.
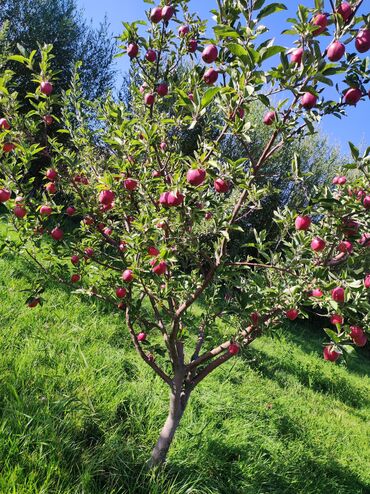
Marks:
<point>79,412</point>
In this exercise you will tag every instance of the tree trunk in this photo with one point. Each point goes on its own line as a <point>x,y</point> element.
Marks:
<point>178,401</point>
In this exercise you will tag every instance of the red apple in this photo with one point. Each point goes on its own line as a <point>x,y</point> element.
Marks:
<point>127,275</point>
<point>130,184</point>
<point>106,197</point>
<point>75,260</point>
<point>89,252</point>
<point>141,336</point>
<point>19,211</point>
<point>336,319</point>
<point>292,314</point>
<point>269,118</point>
<point>367,281</point>
<point>70,211</point>
<point>208,216</point>
<point>321,21</point>
<point>151,56</point>
<point>318,244</point>
<point>330,354</point>
<point>149,99</point>
<point>296,56</point>
<point>121,292</point>
<point>46,210</point>
<point>366,202</point>
<point>302,222</point>
<point>221,185</point>
<point>335,51</point>
<point>163,146</point>
<point>183,31</point>
<point>160,268</point>
<point>167,12</point>
<point>308,101</point>
<point>335,180</point>
<point>132,50</point>
<point>4,195</point>
<point>255,318</point>
<point>34,302</point>
<point>345,246</point>
<point>8,147</point>
<point>192,45</point>
<point>51,174</point>
<point>175,199</point>
<point>316,292</point>
<point>338,294</point>
<point>122,246</point>
<point>156,15</point>
<point>342,180</point>
<point>233,348</point>
<point>210,76</point>
<point>75,278</point>
<point>363,40</point>
<point>48,119</point>
<point>162,89</point>
<point>210,54</point>
<point>107,231</point>
<point>46,88</point>
<point>57,234</point>
<point>345,10</point>
<point>4,124</point>
<point>153,251</point>
<point>196,176</point>
<point>358,336</point>
<point>352,96</point>
<point>88,220</point>
<point>51,188</point>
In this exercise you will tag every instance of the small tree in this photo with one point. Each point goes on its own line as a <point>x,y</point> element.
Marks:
<point>135,204</point>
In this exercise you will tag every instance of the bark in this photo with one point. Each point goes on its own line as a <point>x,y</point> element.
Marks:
<point>178,402</point>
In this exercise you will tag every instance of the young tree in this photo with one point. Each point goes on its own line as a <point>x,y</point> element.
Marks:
<point>142,202</point>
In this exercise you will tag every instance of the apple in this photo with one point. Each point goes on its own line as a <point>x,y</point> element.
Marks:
<point>302,222</point>
<point>163,146</point>
<point>89,252</point>
<point>233,348</point>
<point>336,319</point>
<point>318,244</point>
<point>210,76</point>
<point>122,246</point>
<point>70,211</point>
<point>292,314</point>
<point>46,210</point>
<point>364,240</point>
<point>330,354</point>
<point>221,185</point>
<point>121,306</point>
<point>335,180</point>
<point>132,50</point>
<point>107,231</point>
<point>296,56</point>
<point>4,124</point>
<point>210,54</point>
<point>149,99</point>
<point>362,42</point>
<point>316,292</point>
<point>346,247</point>
<point>141,336</point>
<point>352,96</point>
<point>350,227</point>
<point>208,216</point>
<point>342,180</point>
<point>4,195</point>
<point>338,294</point>
<point>88,220</point>
<point>183,31</point>
<point>358,336</point>
<point>345,10</point>
<point>162,89</point>
<point>34,302</point>
<point>46,88</point>
<point>127,275</point>
<point>151,56</point>
<point>367,281</point>
<point>160,268</point>
<point>175,199</point>
<point>335,51</point>
<point>308,101</point>
<point>48,119</point>
<point>153,251</point>
<point>196,176</point>
<point>255,318</point>
<point>19,211</point>
<point>192,45</point>
<point>130,184</point>
<point>121,292</point>
<point>366,202</point>
<point>51,188</point>
<point>167,12</point>
<point>51,174</point>
<point>75,260</point>
<point>8,147</point>
<point>156,15</point>
<point>106,197</point>
<point>321,21</point>
<point>191,97</point>
<point>269,118</point>
<point>57,234</point>
<point>75,278</point>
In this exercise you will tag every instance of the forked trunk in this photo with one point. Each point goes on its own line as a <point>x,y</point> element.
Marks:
<point>178,401</point>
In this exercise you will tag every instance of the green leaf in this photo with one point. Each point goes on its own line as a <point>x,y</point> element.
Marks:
<point>332,335</point>
<point>247,55</point>
<point>354,151</point>
<point>271,51</point>
<point>271,9</point>
<point>258,4</point>
<point>209,95</point>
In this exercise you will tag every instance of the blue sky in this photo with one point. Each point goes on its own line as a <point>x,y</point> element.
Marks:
<point>355,127</point>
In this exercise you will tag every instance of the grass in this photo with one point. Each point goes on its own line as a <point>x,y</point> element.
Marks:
<point>79,412</point>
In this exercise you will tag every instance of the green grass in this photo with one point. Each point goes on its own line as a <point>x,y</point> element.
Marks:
<point>79,411</point>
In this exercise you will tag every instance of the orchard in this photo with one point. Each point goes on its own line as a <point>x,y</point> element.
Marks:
<point>121,211</point>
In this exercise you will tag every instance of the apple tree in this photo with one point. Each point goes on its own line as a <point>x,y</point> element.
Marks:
<point>123,210</point>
